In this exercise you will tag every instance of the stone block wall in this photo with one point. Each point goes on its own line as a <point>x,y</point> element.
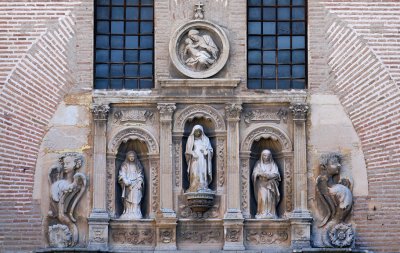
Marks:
<point>46,73</point>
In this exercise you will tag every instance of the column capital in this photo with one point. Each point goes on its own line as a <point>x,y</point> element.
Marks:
<point>233,111</point>
<point>166,110</point>
<point>299,110</point>
<point>100,111</point>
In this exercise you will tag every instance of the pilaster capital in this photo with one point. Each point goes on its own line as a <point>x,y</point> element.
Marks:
<point>299,110</point>
<point>166,110</point>
<point>233,111</point>
<point>100,111</point>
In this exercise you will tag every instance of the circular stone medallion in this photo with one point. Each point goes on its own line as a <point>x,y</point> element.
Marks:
<point>199,49</point>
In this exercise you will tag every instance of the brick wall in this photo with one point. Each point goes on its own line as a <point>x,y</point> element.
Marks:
<point>354,52</point>
<point>38,66</point>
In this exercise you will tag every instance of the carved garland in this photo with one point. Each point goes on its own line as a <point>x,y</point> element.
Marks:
<point>110,182</point>
<point>267,132</point>
<point>155,191</point>
<point>288,185</point>
<point>177,158</point>
<point>221,161</point>
<point>245,184</point>
<point>133,133</point>
<point>199,111</point>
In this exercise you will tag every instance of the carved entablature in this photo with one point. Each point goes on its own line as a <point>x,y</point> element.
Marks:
<point>124,117</point>
<point>100,111</point>
<point>276,116</point>
<point>133,133</point>
<point>267,132</point>
<point>198,111</point>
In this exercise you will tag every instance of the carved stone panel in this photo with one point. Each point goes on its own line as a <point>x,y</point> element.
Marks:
<point>132,234</point>
<point>122,117</point>
<point>208,234</point>
<point>263,115</point>
<point>264,233</point>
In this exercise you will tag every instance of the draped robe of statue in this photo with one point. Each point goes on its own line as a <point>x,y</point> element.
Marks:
<point>266,181</point>
<point>199,160</point>
<point>131,180</point>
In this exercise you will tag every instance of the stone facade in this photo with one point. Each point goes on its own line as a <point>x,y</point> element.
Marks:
<point>49,108</point>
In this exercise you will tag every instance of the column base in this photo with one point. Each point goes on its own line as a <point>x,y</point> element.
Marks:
<point>300,221</point>
<point>98,230</point>
<point>233,230</point>
<point>166,232</point>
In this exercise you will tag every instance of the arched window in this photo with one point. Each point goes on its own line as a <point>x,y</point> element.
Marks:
<point>124,44</point>
<point>276,44</point>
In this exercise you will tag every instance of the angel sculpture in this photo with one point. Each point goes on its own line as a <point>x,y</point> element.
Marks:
<point>335,201</point>
<point>66,189</point>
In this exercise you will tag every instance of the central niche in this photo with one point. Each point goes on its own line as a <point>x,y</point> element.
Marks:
<point>209,131</point>
<point>140,148</point>
<point>276,151</point>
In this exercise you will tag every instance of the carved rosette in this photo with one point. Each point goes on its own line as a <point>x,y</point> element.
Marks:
<point>233,111</point>
<point>221,161</point>
<point>299,110</point>
<point>60,236</point>
<point>166,111</point>
<point>341,235</point>
<point>100,111</point>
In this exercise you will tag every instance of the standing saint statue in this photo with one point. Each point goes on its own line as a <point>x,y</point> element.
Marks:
<point>266,181</point>
<point>199,155</point>
<point>131,180</point>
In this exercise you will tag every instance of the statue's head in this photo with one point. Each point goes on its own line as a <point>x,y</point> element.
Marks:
<point>131,156</point>
<point>71,161</point>
<point>194,35</point>
<point>188,41</point>
<point>266,156</point>
<point>197,131</point>
<point>331,163</point>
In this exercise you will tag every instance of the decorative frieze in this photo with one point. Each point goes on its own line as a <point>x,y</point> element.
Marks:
<point>208,236</point>
<point>133,116</point>
<point>133,236</point>
<point>221,161</point>
<point>177,162</point>
<point>244,184</point>
<point>260,237</point>
<point>266,115</point>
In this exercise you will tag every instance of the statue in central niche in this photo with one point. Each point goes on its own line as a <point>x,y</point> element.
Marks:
<point>266,181</point>
<point>131,180</point>
<point>199,155</point>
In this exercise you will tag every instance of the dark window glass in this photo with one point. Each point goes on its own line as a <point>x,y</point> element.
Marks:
<point>276,44</point>
<point>124,52</point>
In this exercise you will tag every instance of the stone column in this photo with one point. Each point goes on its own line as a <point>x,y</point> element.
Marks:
<point>166,221</point>
<point>301,216</point>
<point>99,217</point>
<point>233,219</point>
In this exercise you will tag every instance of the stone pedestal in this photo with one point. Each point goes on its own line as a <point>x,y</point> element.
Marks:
<point>166,234</point>
<point>233,234</point>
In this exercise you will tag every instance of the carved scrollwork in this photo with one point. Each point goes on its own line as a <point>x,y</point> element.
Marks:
<point>244,183</point>
<point>133,237</point>
<point>199,111</point>
<point>264,115</point>
<point>267,132</point>
<point>110,181</point>
<point>266,237</point>
<point>155,183</point>
<point>122,117</point>
<point>221,161</point>
<point>177,161</point>
<point>288,185</point>
<point>201,236</point>
<point>133,133</point>
<point>233,234</point>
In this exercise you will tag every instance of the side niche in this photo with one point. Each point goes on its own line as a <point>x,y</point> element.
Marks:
<point>274,208</point>
<point>140,181</point>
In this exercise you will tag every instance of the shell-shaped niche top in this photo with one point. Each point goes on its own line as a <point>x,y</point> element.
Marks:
<point>199,48</point>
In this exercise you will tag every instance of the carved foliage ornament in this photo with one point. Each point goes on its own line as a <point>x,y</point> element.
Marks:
<point>132,116</point>
<point>166,110</point>
<point>266,237</point>
<point>133,237</point>
<point>201,236</point>
<point>100,111</point>
<point>199,48</point>
<point>233,111</point>
<point>299,111</point>
<point>264,115</point>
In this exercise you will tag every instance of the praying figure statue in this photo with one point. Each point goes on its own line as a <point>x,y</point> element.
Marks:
<point>131,180</point>
<point>266,181</point>
<point>199,155</point>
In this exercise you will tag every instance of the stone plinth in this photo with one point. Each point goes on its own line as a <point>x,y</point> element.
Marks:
<point>132,234</point>
<point>200,234</point>
<point>263,233</point>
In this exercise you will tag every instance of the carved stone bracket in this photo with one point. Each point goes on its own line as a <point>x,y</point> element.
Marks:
<point>100,111</point>
<point>299,110</point>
